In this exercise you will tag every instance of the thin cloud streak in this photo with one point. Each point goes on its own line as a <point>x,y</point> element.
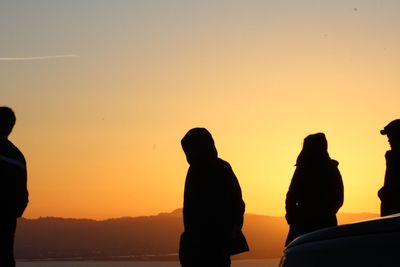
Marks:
<point>37,58</point>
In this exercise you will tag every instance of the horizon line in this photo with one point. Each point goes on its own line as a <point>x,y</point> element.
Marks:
<point>169,213</point>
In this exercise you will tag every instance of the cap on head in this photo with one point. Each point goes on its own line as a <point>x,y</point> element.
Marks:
<point>392,128</point>
<point>7,121</point>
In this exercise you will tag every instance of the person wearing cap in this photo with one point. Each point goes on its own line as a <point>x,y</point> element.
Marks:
<point>13,189</point>
<point>389,194</point>
<point>213,207</point>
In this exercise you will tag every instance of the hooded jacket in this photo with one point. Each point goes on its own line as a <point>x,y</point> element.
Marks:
<point>316,191</point>
<point>213,207</point>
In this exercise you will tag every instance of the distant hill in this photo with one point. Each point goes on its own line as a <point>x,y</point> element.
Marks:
<point>139,238</point>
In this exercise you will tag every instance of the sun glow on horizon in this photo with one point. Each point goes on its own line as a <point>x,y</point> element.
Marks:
<point>101,133</point>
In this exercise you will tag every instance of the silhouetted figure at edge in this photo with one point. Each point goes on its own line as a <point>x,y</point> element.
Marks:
<point>390,192</point>
<point>13,189</point>
<point>213,207</point>
<point>316,190</point>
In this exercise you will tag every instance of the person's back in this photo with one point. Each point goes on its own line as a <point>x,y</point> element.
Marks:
<point>13,189</point>
<point>212,198</point>
<point>13,192</point>
<point>316,191</point>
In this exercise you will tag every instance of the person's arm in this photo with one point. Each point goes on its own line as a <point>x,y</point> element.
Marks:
<point>22,195</point>
<point>291,202</point>
<point>237,205</point>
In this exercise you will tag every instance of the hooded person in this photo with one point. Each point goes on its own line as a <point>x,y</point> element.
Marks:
<point>389,194</point>
<point>213,208</point>
<point>316,191</point>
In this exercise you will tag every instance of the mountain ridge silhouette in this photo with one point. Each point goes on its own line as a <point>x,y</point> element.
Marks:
<point>154,237</point>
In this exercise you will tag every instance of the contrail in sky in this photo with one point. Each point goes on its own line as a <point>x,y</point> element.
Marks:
<point>36,58</point>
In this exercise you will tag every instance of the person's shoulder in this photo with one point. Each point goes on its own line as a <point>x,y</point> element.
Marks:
<point>334,167</point>
<point>392,154</point>
<point>334,163</point>
<point>223,163</point>
<point>224,167</point>
<point>8,149</point>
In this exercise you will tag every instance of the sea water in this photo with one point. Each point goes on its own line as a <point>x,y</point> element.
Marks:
<point>235,263</point>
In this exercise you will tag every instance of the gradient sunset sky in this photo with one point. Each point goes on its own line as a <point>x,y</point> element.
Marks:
<point>105,90</point>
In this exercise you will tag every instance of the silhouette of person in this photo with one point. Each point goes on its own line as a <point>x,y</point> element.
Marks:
<point>13,189</point>
<point>213,207</point>
<point>390,192</point>
<point>316,191</point>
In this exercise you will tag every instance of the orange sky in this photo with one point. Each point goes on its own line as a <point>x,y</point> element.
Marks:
<point>100,118</point>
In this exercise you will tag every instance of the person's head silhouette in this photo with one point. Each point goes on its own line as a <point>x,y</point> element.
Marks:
<point>7,121</point>
<point>199,146</point>
<point>315,147</point>
<point>392,130</point>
